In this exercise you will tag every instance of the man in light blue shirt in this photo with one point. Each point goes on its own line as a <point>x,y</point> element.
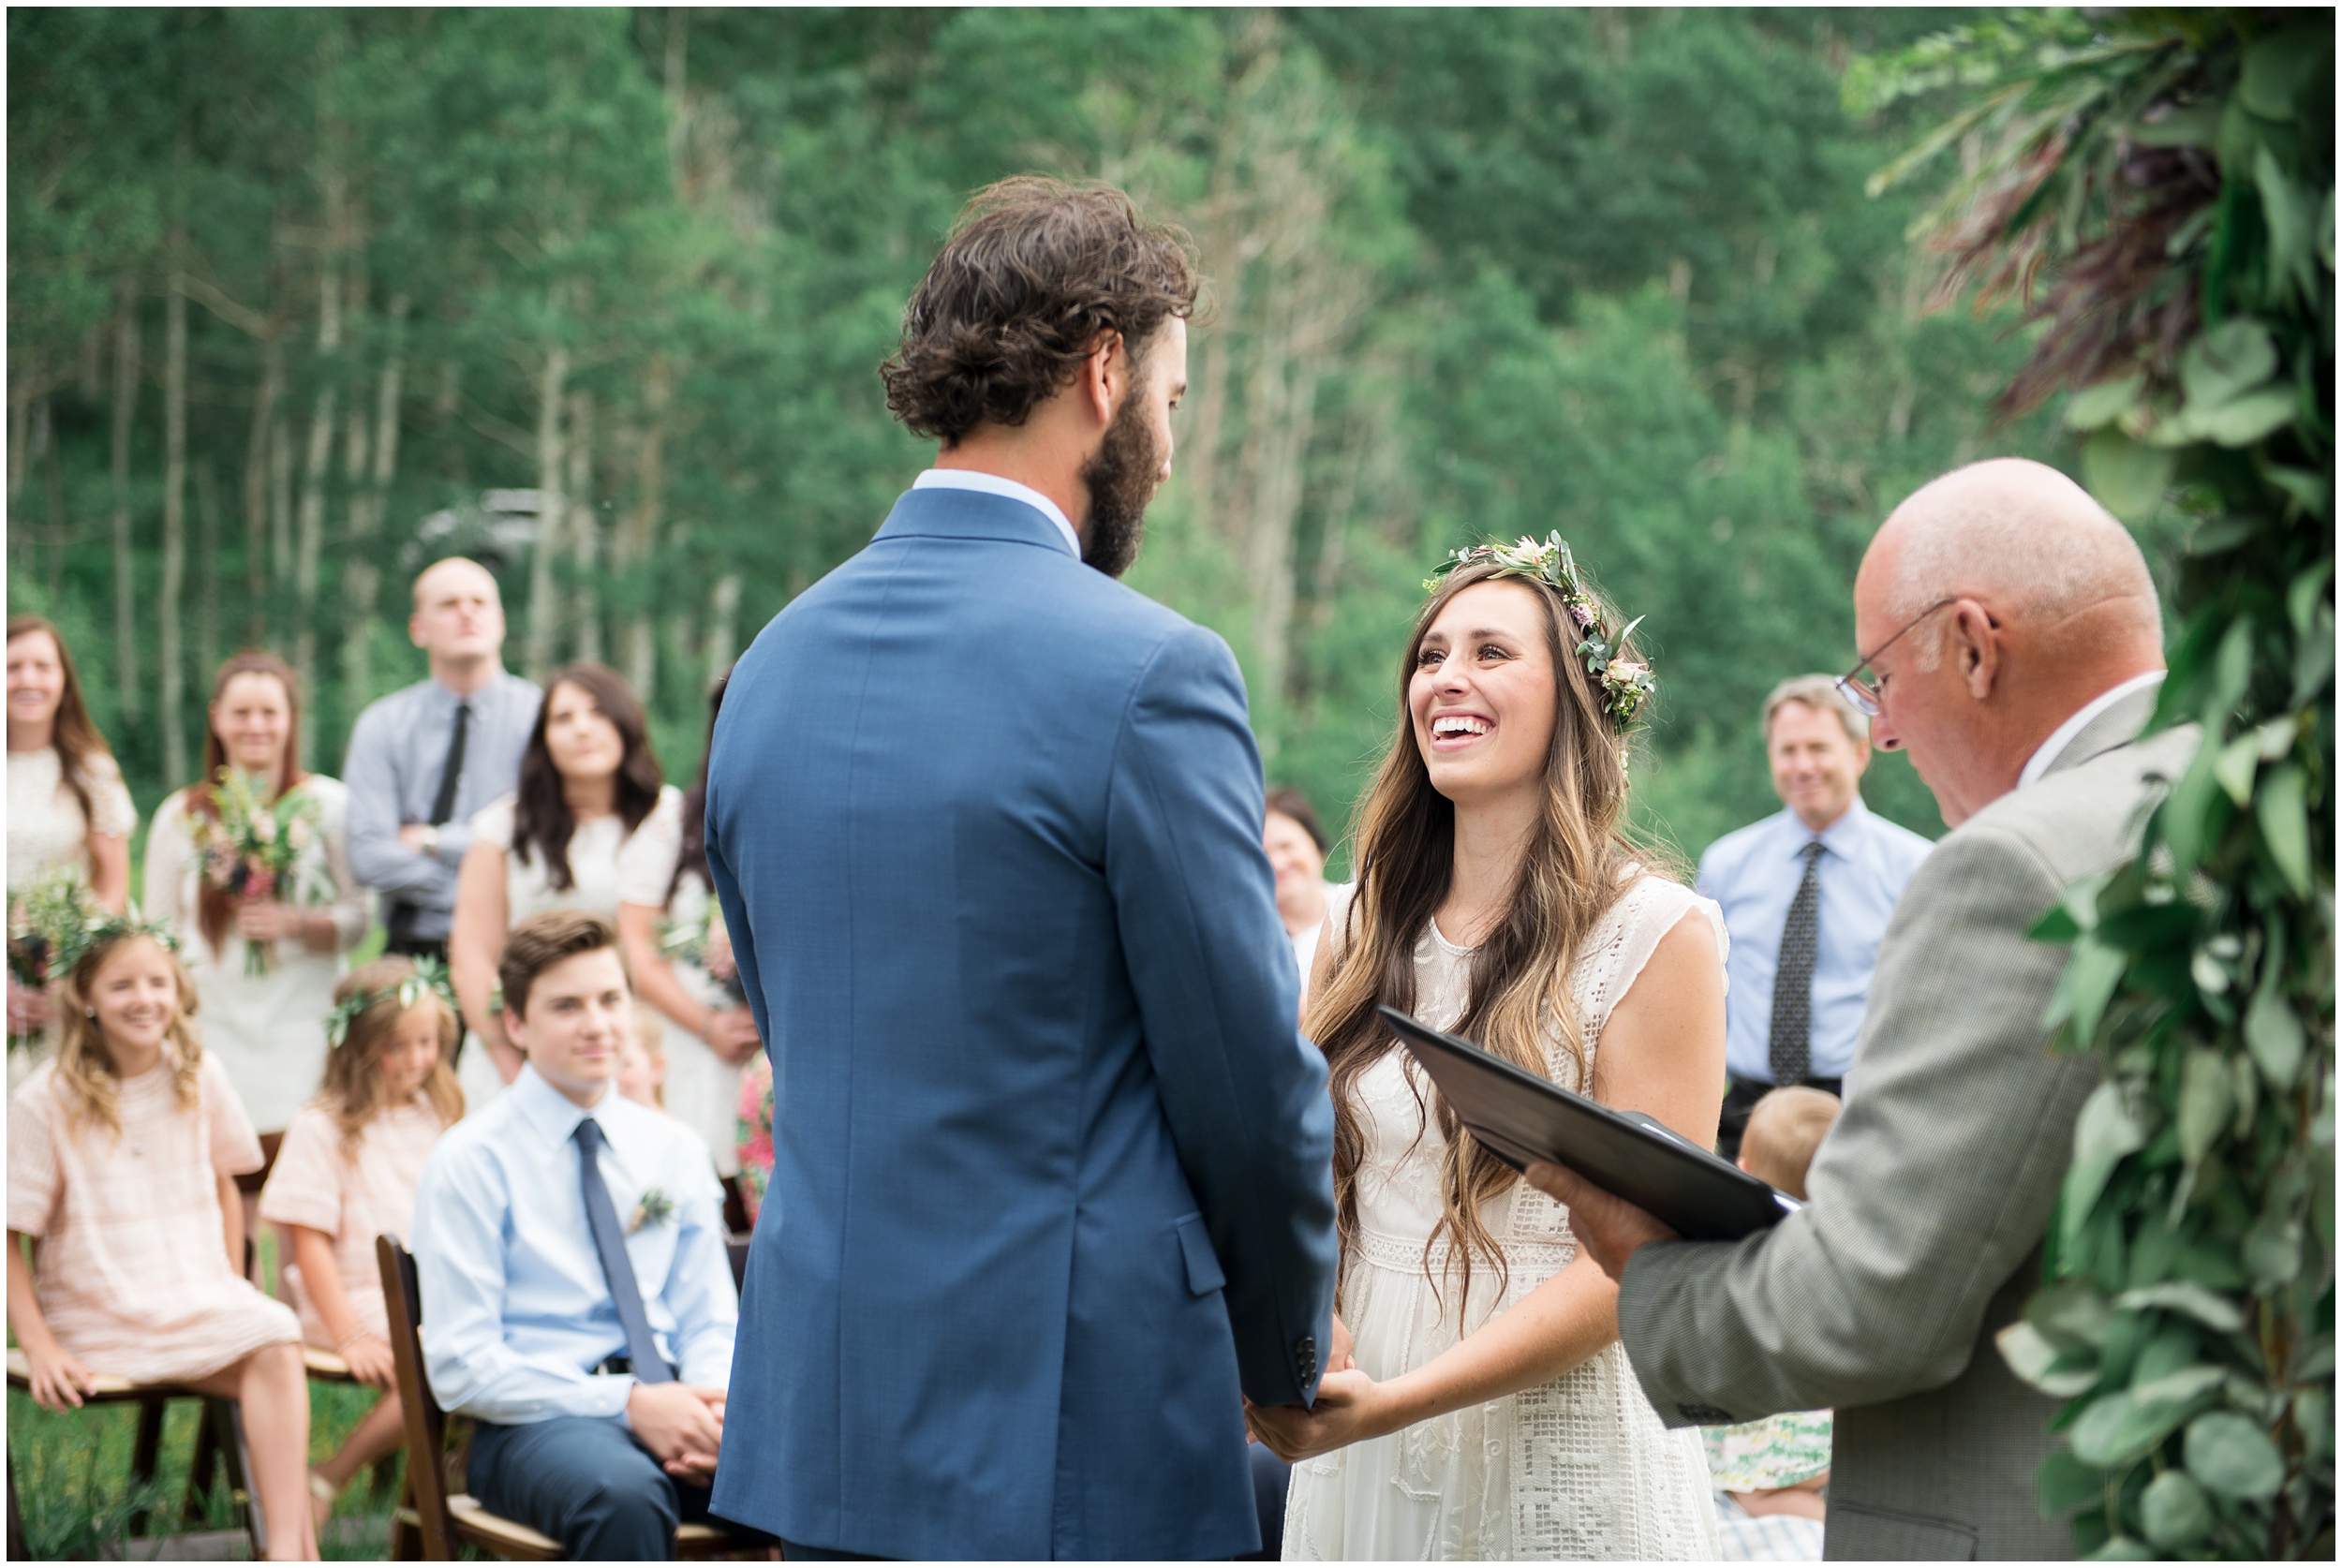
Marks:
<point>577,1299</point>
<point>423,759</point>
<point>1806,897</point>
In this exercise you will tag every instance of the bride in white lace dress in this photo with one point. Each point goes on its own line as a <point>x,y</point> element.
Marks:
<point>1490,1412</point>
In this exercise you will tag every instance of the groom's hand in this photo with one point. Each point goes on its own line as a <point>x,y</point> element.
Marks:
<point>1606,1226</point>
<point>682,1425</point>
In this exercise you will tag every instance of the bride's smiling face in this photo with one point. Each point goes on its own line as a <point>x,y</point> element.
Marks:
<point>1482,698</point>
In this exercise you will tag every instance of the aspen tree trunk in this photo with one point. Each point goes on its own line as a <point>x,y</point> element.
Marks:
<point>638,650</point>
<point>173,673</point>
<point>256,486</point>
<point>28,389</point>
<point>316,472</point>
<point>125,584</point>
<point>578,507</point>
<point>37,444</point>
<point>544,610</point>
<point>362,579</point>
<point>207,582</point>
<point>60,526</point>
<point>722,610</point>
<point>280,510</point>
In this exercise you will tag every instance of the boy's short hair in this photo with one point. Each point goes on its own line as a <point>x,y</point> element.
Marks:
<point>1784,1130</point>
<point>542,940</point>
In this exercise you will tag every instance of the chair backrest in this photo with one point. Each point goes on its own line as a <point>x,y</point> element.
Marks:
<point>736,1220</point>
<point>250,1183</point>
<point>426,1423</point>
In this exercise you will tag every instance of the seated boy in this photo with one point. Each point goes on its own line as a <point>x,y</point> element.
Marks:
<point>1770,1472</point>
<point>576,1298</point>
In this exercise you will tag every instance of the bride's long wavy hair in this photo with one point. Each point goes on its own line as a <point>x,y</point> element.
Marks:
<point>1569,878</point>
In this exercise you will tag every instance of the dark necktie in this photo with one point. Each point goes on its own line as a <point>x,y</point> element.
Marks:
<point>1791,1052</point>
<point>610,1242</point>
<point>451,772</point>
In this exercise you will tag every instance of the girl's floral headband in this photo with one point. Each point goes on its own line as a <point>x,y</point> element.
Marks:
<point>1627,683</point>
<point>103,927</point>
<point>430,977</point>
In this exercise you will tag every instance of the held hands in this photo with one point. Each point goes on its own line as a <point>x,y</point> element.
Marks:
<point>264,920</point>
<point>1299,1431</point>
<point>1606,1226</point>
<point>58,1381</point>
<point>717,958</point>
<point>681,1424</point>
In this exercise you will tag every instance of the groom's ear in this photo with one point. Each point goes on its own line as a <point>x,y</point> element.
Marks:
<point>1103,374</point>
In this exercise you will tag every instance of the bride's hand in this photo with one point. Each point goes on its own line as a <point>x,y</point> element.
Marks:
<point>1350,1407</point>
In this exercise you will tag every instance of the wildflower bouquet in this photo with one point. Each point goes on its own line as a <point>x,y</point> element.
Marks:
<point>43,921</point>
<point>251,848</point>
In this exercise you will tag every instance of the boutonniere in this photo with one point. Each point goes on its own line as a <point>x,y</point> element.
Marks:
<point>655,1208</point>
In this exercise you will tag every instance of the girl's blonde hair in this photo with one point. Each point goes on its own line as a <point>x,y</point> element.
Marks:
<point>85,1073</point>
<point>352,1091</point>
<point>1570,875</point>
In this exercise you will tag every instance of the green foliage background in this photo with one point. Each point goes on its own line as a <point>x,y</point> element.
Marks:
<point>1475,273</point>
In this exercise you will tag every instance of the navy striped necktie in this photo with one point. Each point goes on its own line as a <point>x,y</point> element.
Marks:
<point>1792,1050</point>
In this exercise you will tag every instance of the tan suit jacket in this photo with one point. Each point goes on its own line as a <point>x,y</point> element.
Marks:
<point>1930,1197</point>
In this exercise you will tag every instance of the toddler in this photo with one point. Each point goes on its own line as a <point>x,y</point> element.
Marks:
<point>346,1173</point>
<point>1771,1474</point>
<point>123,1157</point>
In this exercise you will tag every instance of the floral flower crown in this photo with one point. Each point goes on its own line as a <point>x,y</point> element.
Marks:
<point>430,976</point>
<point>1627,683</point>
<point>104,927</point>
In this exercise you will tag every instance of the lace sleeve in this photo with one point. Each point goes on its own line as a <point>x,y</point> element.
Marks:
<point>1627,938</point>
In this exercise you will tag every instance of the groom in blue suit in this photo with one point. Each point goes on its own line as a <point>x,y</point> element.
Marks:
<point>1051,1191</point>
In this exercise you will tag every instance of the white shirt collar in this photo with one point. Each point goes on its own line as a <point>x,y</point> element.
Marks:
<point>993,485</point>
<point>1839,837</point>
<point>2061,737</point>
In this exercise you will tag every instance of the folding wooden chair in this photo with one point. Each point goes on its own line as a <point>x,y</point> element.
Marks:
<point>219,1442</point>
<point>435,1517</point>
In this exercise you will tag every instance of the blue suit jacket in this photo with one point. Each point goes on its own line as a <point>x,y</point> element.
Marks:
<point>1052,1163</point>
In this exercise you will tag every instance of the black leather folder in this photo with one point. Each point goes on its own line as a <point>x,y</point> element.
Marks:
<point>1521,1117</point>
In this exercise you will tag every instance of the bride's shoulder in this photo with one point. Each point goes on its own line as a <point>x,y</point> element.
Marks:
<point>1656,902</point>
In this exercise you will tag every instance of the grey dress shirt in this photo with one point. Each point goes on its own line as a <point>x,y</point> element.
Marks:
<point>396,752</point>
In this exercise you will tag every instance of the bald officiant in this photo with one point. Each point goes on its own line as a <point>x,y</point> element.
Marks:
<point>1806,895</point>
<point>2012,641</point>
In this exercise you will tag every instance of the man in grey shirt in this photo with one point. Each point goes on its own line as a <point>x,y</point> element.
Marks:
<point>422,761</point>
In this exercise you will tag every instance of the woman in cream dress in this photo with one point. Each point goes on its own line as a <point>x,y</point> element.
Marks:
<point>709,1033</point>
<point>67,810</point>
<point>266,1029</point>
<point>1486,1411</point>
<point>588,783</point>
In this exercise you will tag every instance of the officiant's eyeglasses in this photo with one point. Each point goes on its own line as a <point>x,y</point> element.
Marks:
<point>1863,693</point>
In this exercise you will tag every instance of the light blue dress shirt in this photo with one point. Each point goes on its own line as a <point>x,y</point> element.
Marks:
<point>516,1312</point>
<point>396,752</point>
<point>1866,863</point>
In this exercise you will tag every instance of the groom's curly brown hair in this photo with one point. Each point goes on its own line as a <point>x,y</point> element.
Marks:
<point>1034,272</point>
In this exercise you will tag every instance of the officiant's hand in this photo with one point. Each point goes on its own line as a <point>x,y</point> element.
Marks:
<point>1606,1226</point>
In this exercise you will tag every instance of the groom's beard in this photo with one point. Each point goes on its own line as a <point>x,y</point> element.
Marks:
<point>1121,480</point>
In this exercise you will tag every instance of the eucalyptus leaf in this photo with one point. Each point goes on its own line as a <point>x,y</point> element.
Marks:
<point>2239,760</point>
<point>2175,1510</point>
<point>2031,1356</point>
<point>2122,1549</point>
<point>2273,1250</point>
<point>2082,991</point>
<point>2070,1314</point>
<point>2205,1088</point>
<point>2208,1308</point>
<point>2232,1457</point>
<point>2230,359</point>
<point>2103,1133</point>
<point>2098,406</point>
<point>2127,478</point>
<point>2289,210</point>
<point>2276,69</point>
<point>2285,825</point>
<point>2179,1387</point>
<point>2273,1036</point>
<point>2245,420</point>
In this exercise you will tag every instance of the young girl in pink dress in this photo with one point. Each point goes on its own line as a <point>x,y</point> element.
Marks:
<point>346,1173</point>
<point>123,1157</point>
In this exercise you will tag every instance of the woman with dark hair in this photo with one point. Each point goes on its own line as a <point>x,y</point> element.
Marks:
<point>588,783</point>
<point>68,811</point>
<point>686,971</point>
<point>266,945</point>
<point>1489,1412</point>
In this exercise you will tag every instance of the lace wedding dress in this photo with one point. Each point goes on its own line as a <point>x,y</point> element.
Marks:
<point>1577,1468</point>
